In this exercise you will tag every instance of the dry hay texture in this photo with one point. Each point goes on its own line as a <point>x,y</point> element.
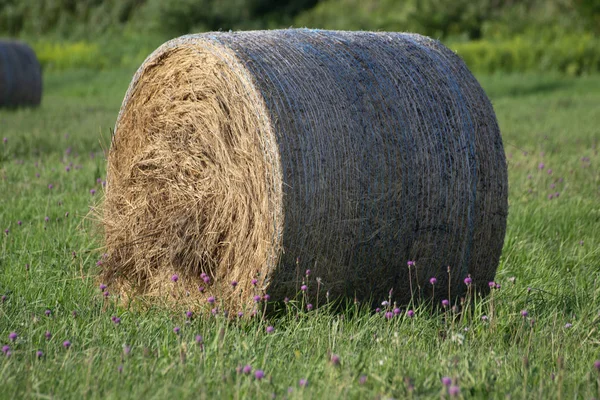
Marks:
<point>20,75</point>
<point>257,155</point>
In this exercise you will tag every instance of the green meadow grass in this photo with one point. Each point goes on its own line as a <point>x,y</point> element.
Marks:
<point>550,267</point>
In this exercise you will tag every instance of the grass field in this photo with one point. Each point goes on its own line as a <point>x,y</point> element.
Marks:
<point>537,336</point>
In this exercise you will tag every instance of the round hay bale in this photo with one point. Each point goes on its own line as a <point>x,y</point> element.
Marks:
<point>257,155</point>
<point>20,75</point>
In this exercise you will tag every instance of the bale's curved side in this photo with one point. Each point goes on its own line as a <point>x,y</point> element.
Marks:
<point>20,75</point>
<point>362,151</point>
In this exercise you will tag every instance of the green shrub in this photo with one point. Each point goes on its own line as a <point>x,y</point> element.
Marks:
<point>571,55</point>
<point>60,56</point>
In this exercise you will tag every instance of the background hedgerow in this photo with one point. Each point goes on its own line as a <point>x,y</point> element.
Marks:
<point>491,35</point>
<point>536,335</point>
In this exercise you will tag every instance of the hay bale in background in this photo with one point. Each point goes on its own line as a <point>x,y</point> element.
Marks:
<point>20,75</point>
<point>257,155</point>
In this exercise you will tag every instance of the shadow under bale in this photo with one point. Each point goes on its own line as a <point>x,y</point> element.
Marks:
<point>250,157</point>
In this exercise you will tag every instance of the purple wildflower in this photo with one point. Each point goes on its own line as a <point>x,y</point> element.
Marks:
<point>126,350</point>
<point>5,140</point>
<point>211,299</point>
<point>48,335</point>
<point>102,286</point>
<point>335,359</point>
<point>48,313</point>
<point>484,318</point>
<point>66,344</point>
<point>410,263</point>
<point>549,171</point>
<point>377,310</point>
<point>309,307</point>
<point>445,303</point>
<point>92,191</point>
<point>362,379</point>
<point>468,280</point>
<point>234,283</point>
<point>50,186</point>
<point>39,354</point>
<point>389,315</point>
<point>266,297</point>
<point>524,313</point>
<point>106,294</point>
<point>308,272</point>
<point>240,314</point>
<point>568,325</point>
<point>433,280</point>
<point>492,284</point>
<point>270,329</point>
<point>206,279</point>
<point>46,219</point>
<point>175,278</point>
<point>410,313</point>
<point>597,365</point>
<point>201,289</point>
<point>454,391</point>
<point>247,369</point>
<point>541,166</point>
<point>302,382</point>
<point>12,336</point>
<point>176,330</point>
<point>5,349</point>
<point>189,314</point>
<point>446,381</point>
<point>257,299</point>
<point>396,311</point>
<point>303,288</point>
<point>259,374</point>
<point>254,282</point>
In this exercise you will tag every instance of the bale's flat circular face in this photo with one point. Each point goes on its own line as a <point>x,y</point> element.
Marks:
<point>192,185</point>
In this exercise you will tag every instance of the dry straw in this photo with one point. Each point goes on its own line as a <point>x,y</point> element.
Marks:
<point>20,75</point>
<point>257,155</point>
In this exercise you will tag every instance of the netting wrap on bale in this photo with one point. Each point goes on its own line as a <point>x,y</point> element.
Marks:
<point>20,75</point>
<point>256,155</point>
